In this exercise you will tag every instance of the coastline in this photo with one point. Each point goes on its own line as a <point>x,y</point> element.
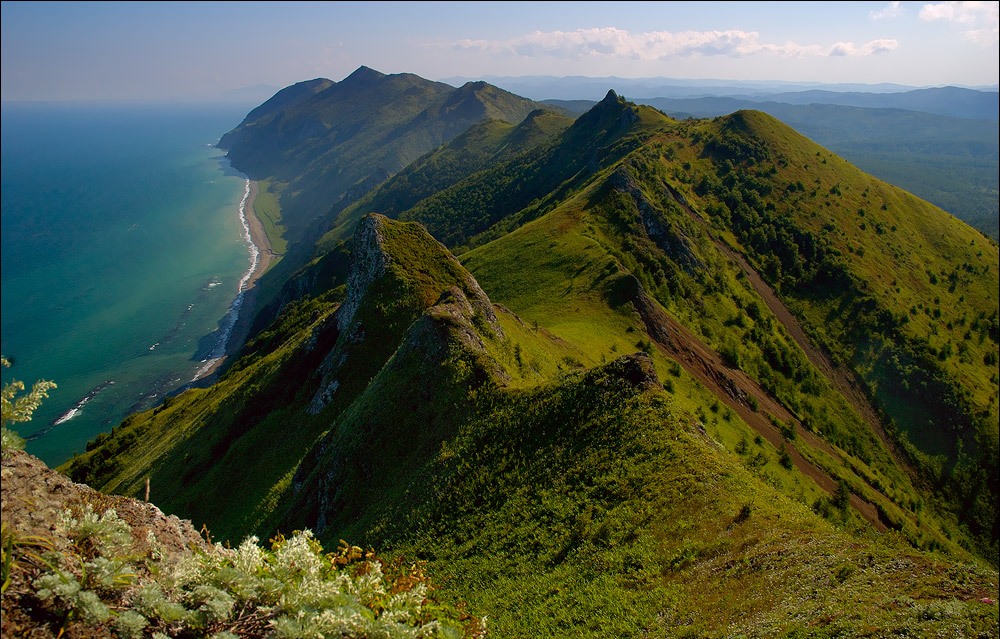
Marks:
<point>263,256</point>
<point>258,237</point>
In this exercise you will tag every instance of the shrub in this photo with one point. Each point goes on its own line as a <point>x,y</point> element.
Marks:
<point>294,589</point>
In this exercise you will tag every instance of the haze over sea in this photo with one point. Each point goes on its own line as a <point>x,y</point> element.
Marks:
<point>122,251</point>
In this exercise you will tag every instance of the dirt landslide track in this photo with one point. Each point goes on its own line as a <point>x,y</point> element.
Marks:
<point>735,387</point>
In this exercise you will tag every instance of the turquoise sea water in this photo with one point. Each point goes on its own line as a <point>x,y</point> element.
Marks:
<point>122,250</point>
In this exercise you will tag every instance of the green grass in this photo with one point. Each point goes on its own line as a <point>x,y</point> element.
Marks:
<point>586,508</point>
<point>192,446</point>
<point>266,206</point>
<point>576,253</point>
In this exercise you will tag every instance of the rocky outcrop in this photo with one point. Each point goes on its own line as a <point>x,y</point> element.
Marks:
<point>368,262</point>
<point>450,326</point>
<point>423,269</point>
<point>636,370</point>
<point>34,500</point>
<point>667,236</point>
<point>34,496</point>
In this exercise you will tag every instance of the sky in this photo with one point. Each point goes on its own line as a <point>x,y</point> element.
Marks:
<point>177,51</point>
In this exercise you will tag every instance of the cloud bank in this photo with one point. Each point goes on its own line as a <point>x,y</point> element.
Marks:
<point>982,18</point>
<point>611,42</point>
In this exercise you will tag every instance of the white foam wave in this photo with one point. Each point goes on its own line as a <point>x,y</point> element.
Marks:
<point>248,237</point>
<point>229,321</point>
<point>73,412</point>
<point>70,414</point>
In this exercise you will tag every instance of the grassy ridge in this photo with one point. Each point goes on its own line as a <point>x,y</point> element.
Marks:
<point>592,508</point>
<point>949,161</point>
<point>901,292</point>
<point>721,483</point>
<point>641,194</point>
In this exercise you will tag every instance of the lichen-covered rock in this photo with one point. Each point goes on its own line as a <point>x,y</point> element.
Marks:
<point>34,500</point>
<point>34,496</point>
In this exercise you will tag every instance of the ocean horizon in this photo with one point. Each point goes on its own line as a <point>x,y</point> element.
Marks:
<point>123,252</point>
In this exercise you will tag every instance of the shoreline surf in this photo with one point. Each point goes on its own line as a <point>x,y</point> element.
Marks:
<point>233,325</point>
<point>121,256</point>
<point>261,256</point>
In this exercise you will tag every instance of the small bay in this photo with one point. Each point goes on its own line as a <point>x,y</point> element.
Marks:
<point>122,250</point>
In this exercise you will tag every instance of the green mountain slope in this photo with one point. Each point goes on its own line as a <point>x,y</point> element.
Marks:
<point>872,298</point>
<point>327,141</point>
<point>696,378</point>
<point>949,161</point>
<point>580,506</point>
<point>478,150</point>
<point>319,146</point>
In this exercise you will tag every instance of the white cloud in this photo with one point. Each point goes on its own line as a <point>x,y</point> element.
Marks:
<point>982,18</point>
<point>874,47</point>
<point>894,10</point>
<point>611,42</point>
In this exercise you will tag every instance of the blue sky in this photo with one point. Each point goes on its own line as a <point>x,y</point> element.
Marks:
<point>190,51</point>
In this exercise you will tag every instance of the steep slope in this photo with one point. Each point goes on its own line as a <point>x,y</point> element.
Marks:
<point>480,148</point>
<point>667,177</point>
<point>786,453</point>
<point>529,184</point>
<point>949,161</point>
<point>820,323</point>
<point>319,149</point>
<point>868,309</point>
<point>294,379</point>
<point>598,507</point>
<point>591,504</point>
<point>286,98</point>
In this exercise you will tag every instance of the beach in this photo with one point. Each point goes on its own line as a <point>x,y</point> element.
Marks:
<point>265,257</point>
<point>258,237</point>
<point>262,256</point>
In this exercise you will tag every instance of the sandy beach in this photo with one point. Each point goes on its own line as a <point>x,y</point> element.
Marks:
<point>265,258</point>
<point>258,237</point>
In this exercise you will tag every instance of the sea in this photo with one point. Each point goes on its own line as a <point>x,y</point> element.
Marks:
<point>122,251</point>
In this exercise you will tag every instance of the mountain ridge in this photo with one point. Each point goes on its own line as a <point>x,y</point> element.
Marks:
<point>946,160</point>
<point>665,348</point>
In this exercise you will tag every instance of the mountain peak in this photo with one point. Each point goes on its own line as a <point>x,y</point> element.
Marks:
<point>612,114</point>
<point>364,74</point>
<point>472,87</point>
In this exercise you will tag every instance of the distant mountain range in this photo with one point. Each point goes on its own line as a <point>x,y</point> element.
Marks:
<point>593,88</point>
